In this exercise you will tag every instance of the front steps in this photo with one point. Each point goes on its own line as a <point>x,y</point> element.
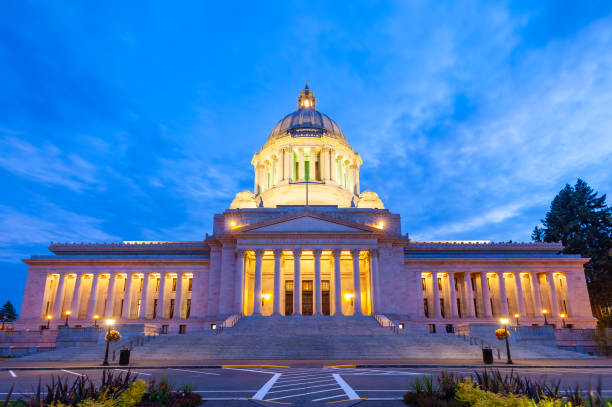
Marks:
<point>305,338</point>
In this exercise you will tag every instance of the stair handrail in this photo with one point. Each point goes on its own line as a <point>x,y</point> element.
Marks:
<point>474,340</point>
<point>229,322</point>
<point>386,322</point>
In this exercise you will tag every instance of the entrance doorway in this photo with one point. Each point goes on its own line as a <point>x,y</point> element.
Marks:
<point>325,297</point>
<point>289,297</point>
<point>306,297</point>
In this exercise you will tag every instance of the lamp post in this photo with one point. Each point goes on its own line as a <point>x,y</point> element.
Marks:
<point>67,313</point>
<point>545,311</point>
<point>563,316</point>
<point>49,321</point>
<point>3,322</point>
<point>96,317</point>
<point>516,317</point>
<point>109,323</point>
<point>504,322</point>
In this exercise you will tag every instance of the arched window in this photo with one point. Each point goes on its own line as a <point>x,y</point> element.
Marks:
<point>318,166</point>
<point>306,165</point>
<point>296,167</point>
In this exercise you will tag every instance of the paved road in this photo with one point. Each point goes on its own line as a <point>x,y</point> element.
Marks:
<point>296,386</point>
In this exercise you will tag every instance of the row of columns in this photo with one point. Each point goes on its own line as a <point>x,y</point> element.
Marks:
<point>332,167</point>
<point>94,294</point>
<point>297,280</point>
<point>503,296</point>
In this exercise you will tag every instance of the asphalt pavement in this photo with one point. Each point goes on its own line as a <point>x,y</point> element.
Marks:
<point>301,386</point>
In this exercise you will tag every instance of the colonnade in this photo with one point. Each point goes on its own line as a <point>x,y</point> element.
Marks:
<point>482,294</point>
<point>118,295</point>
<point>307,163</point>
<point>357,288</point>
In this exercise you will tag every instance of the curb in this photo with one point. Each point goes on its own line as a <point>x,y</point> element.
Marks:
<point>483,366</point>
<point>97,367</point>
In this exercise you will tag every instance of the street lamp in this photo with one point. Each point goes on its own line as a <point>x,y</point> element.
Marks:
<point>516,316</point>
<point>109,323</point>
<point>504,322</point>
<point>96,318</point>
<point>545,311</point>
<point>49,320</point>
<point>563,316</point>
<point>67,316</point>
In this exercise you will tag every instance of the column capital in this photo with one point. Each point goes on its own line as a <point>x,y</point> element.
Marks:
<point>355,252</point>
<point>278,253</point>
<point>337,252</point>
<point>297,252</point>
<point>240,252</point>
<point>373,252</point>
<point>317,252</point>
<point>258,252</point>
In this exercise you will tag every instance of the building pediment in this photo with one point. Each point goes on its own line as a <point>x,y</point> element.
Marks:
<point>310,223</point>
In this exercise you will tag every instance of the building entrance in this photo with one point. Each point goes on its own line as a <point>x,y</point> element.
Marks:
<point>307,297</point>
<point>289,297</point>
<point>325,297</point>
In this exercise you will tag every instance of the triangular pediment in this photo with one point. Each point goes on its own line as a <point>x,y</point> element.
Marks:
<point>307,223</point>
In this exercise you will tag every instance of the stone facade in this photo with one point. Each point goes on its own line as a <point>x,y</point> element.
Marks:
<point>306,241</point>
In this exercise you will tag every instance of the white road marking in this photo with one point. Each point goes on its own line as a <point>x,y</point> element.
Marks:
<point>249,370</point>
<point>195,371</point>
<point>330,397</point>
<point>305,378</point>
<point>294,384</point>
<point>303,388</point>
<point>350,393</point>
<point>261,393</point>
<point>131,371</point>
<point>74,373</point>
<point>12,373</point>
<point>301,394</point>
<point>223,391</point>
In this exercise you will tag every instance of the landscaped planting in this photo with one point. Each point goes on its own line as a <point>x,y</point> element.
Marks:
<point>492,388</point>
<point>114,391</point>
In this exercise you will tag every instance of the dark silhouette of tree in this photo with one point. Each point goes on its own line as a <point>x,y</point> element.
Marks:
<point>8,312</point>
<point>582,222</point>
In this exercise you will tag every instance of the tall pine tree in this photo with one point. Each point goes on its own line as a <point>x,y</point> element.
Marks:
<point>581,220</point>
<point>8,312</point>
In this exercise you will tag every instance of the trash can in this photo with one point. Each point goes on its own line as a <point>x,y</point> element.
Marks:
<point>487,356</point>
<point>124,357</point>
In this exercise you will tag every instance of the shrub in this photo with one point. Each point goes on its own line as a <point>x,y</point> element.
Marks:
<point>501,334</point>
<point>112,336</point>
<point>162,394</point>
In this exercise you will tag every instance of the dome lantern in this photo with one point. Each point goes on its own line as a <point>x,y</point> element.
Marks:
<point>306,100</point>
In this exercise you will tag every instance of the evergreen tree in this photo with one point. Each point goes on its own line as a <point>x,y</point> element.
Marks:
<point>8,311</point>
<point>582,222</point>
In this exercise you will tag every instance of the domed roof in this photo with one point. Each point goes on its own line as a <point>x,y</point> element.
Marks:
<point>307,121</point>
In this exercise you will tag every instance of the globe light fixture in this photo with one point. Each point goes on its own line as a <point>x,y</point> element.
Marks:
<point>516,317</point>
<point>67,313</point>
<point>96,318</point>
<point>563,316</point>
<point>544,312</point>
<point>49,317</point>
<point>348,297</point>
<point>109,324</point>
<point>504,322</point>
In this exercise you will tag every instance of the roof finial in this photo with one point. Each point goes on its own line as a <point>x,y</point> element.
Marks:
<point>306,100</point>
<point>306,87</point>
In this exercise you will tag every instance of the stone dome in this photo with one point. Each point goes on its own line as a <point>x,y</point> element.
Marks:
<point>307,121</point>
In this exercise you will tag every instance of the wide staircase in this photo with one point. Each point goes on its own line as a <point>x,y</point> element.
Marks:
<point>303,338</point>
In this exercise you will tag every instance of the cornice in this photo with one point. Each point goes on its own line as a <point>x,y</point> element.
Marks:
<point>565,261</point>
<point>89,262</point>
<point>484,246</point>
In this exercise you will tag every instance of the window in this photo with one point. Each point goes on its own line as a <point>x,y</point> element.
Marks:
<point>296,167</point>
<point>456,285</point>
<point>472,279</point>
<point>138,308</point>
<point>318,167</point>
<point>424,284</point>
<point>125,283</point>
<point>141,281</point>
<point>306,169</point>
<point>174,284</point>
<point>188,308</point>
<point>154,308</point>
<point>439,283</point>
<point>190,284</point>
<point>475,307</point>
<point>426,307</point>
<point>459,307</point>
<point>164,329</point>
<point>171,314</point>
<point>182,329</point>
<point>442,308</point>
<point>157,284</point>
<point>121,310</point>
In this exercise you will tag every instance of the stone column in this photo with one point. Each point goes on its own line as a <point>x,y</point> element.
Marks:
<point>375,280</point>
<point>436,296</point>
<point>311,167</point>
<point>554,302</point>
<point>300,175</point>
<point>332,165</point>
<point>59,296</point>
<point>453,295</point>
<point>257,296</point>
<point>317,284</point>
<point>145,296</point>
<point>127,297</point>
<point>297,282</point>
<point>240,282</point>
<point>337,283</point>
<point>537,299</point>
<point>486,296</point>
<point>469,294</point>
<point>93,296</point>
<point>277,280</point>
<point>323,164</point>
<point>76,297</point>
<point>110,296</point>
<point>357,189</point>
<point>519,294</point>
<point>356,281</point>
<point>178,296</point>
<point>161,295</point>
<point>288,163</point>
<point>503,296</point>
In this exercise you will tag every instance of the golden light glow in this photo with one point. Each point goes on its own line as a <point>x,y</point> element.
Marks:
<point>67,312</point>
<point>348,296</point>
<point>563,315</point>
<point>266,296</point>
<point>380,225</point>
<point>110,322</point>
<point>49,316</point>
<point>544,311</point>
<point>96,316</point>
<point>516,315</point>
<point>504,321</point>
<point>233,224</point>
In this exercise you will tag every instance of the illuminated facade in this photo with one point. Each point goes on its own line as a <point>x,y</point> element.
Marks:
<point>305,241</point>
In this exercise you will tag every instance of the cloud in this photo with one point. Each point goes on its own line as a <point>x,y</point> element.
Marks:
<point>47,164</point>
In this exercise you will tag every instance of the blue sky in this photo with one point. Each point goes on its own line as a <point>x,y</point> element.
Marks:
<point>138,120</point>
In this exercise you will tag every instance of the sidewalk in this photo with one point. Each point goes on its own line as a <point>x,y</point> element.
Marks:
<point>602,363</point>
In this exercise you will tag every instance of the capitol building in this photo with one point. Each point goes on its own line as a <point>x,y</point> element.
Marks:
<point>308,240</point>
